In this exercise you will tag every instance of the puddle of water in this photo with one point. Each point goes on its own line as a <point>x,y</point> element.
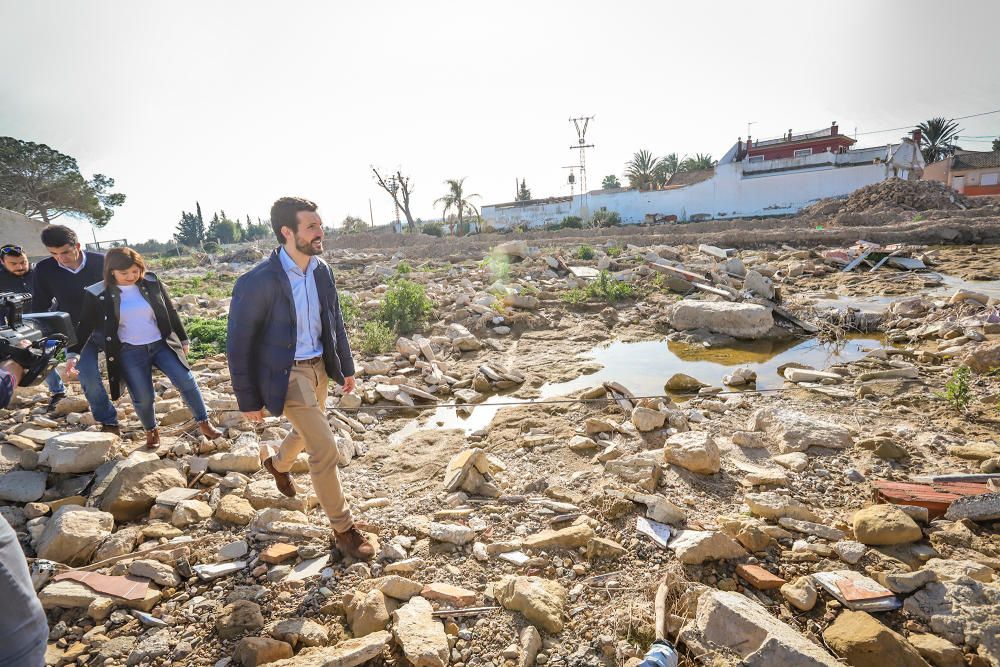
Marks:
<point>644,368</point>
<point>880,303</point>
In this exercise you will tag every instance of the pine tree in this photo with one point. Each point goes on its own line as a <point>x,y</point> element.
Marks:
<point>190,230</point>
<point>523,193</point>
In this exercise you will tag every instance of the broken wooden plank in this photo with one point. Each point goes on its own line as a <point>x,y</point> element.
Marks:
<point>678,273</point>
<point>714,290</point>
<point>857,260</point>
<point>936,497</point>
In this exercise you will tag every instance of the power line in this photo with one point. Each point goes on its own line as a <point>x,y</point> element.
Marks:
<point>910,127</point>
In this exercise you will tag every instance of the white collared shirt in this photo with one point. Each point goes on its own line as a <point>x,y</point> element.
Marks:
<point>83,263</point>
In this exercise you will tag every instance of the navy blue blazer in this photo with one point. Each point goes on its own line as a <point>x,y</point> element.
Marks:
<point>262,334</point>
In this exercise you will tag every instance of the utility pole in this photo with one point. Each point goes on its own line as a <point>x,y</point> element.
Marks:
<point>581,124</point>
<point>371,216</point>
<point>393,184</point>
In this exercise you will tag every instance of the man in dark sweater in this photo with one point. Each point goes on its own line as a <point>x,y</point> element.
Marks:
<point>62,279</point>
<point>16,275</point>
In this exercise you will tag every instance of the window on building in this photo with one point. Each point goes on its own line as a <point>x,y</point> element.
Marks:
<point>990,179</point>
<point>803,152</point>
<point>755,158</point>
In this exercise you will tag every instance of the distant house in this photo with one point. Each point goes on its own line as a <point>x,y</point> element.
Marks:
<point>755,178</point>
<point>23,231</point>
<point>969,172</point>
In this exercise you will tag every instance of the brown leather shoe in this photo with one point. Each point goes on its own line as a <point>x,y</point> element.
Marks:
<point>153,438</point>
<point>352,542</point>
<point>281,479</point>
<point>111,428</point>
<point>208,430</point>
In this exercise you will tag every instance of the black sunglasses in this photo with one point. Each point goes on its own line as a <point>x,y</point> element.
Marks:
<point>11,250</point>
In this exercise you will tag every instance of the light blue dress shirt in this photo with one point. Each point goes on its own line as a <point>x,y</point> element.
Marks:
<point>308,321</point>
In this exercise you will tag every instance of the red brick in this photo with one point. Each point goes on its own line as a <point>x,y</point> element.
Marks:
<point>759,578</point>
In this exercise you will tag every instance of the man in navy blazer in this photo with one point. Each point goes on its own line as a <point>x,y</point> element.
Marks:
<point>286,341</point>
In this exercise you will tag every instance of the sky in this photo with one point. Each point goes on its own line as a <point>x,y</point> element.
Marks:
<point>234,104</point>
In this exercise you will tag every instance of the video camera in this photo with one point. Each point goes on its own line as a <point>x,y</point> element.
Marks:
<point>47,334</point>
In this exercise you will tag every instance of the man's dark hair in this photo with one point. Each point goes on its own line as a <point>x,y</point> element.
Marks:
<point>284,212</point>
<point>56,236</point>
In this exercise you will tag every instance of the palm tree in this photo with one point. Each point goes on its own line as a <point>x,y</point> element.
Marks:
<point>937,138</point>
<point>457,199</point>
<point>665,168</point>
<point>610,182</point>
<point>699,161</point>
<point>639,170</point>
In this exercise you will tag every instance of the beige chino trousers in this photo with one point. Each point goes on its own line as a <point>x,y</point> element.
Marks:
<point>305,408</point>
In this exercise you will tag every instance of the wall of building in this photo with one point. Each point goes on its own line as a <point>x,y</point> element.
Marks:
<point>23,231</point>
<point>728,194</point>
<point>938,171</point>
<point>787,150</point>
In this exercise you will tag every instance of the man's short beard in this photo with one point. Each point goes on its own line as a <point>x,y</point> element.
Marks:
<point>307,248</point>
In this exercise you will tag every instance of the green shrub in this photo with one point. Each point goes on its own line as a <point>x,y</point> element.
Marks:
<point>585,252</point>
<point>376,338</point>
<point>403,267</point>
<point>432,229</point>
<point>574,296</point>
<point>606,218</point>
<point>207,336</point>
<point>405,306</point>
<point>498,266</point>
<point>614,251</point>
<point>571,222</point>
<point>957,391</point>
<point>349,309</point>
<point>605,288</point>
<point>211,247</point>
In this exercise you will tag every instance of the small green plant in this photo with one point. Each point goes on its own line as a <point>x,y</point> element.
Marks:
<point>571,222</point>
<point>956,391</point>
<point>405,306</point>
<point>605,288</point>
<point>574,296</point>
<point>403,267</point>
<point>497,265</point>
<point>376,338</point>
<point>615,251</point>
<point>585,252</point>
<point>349,309</point>
<point>207,336</point>
<point>918,217</point>
<point>606,218</point>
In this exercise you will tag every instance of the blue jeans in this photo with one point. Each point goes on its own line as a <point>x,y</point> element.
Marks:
<point>137,363</point>
<point>55,383</point>
<point>93,385</point>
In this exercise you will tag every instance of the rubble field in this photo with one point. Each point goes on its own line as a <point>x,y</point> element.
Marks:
<point>792,436</point>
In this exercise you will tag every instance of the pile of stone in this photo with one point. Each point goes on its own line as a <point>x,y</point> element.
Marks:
<point>895,193</point>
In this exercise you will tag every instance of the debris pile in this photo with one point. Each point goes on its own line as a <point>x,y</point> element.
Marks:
<point>895,193</point>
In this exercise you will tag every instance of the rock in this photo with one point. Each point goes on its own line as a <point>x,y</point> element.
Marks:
<point>237,618</point>
<point>964,611</point>
<point>301,632</point>
<point>885,525</point>
<point>850,551</point>
<point>679,382</point>
<point>68,594</point>
<point>739,320</point>
<point>570,537</point>
<point>794,461</point>
<point>541,601</point>
<point>134,489</point>
<point>521,301</point>
<point>452,533</point>
<point>947,569</point>
<point>159,573</point>
<point>393,586</point>
<point>243,456</point>
<point>71,404</point>
<point>981,507</point>
<point>646,419</point>
<point>349,653</point>
<point>773,505</point>
<point>452,595</point>
<point>659,508</point>
<point>599,547</point>
<point>278,552</point>
<point>758,285</point>
<point>471,471</point>
<point>235,509</point>
<point>82,451</point>
<point>800,593</point>
<point>693,450</point>
<point>810,528</point>
<point>937,651</point>
<point>884,448</point>
<point>22,486</point>
<point>349,402</point>
<point>734,621</point>
<point>233,550</point>
<point>153,646</point>
<point>419,635</point>
<point>73,534</point>
<point>531,642</point>
<point>794,431</point>
<point>188,512</point>
<point>694,547</point>
<point>368,613</point>
<point>983,357</point>
<point>512,249</point>
<point>263,493</point>
<point>254,651</point>
<point>121,542</point>
<point>906,582</point>
<point>642,469</point>
<point>863,641</point>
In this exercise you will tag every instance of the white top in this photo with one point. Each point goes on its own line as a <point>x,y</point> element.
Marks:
<point>136,322</point>
<point>83,263</point>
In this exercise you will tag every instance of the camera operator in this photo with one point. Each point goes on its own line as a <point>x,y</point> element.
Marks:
<point>17,275</point>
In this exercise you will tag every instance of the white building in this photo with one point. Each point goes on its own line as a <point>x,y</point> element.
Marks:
<point>745,183</point>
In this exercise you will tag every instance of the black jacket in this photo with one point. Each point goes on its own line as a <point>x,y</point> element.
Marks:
<point>101,312</point>
<point>20,284</point>
<point>262,334</point>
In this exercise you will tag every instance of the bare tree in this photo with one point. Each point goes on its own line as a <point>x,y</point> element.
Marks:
<point>399,188</point>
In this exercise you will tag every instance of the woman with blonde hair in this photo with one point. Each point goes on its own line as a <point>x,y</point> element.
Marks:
<point>132,311</point>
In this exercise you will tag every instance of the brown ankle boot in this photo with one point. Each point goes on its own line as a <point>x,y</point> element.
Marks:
<point>153,437</point>
<point>281,479</point>
<point>208,430</point>
<point>352,542</point>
